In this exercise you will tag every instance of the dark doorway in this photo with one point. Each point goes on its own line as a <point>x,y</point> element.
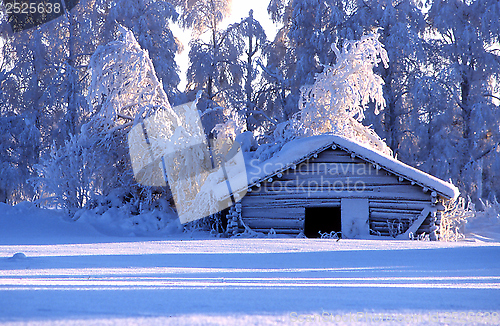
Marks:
<point>324,219</point>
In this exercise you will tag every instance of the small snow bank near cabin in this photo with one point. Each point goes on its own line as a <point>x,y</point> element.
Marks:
<point>484,225</point>
<point>25,223</point>
<point>118,221</point>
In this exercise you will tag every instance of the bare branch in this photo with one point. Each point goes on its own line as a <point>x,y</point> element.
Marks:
<point>491,95</point>
<point>126,117</point>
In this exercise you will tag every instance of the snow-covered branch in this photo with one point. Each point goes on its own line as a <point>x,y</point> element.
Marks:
<point>336,102</point>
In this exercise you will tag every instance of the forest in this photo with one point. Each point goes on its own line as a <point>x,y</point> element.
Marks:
<point>423,75</point>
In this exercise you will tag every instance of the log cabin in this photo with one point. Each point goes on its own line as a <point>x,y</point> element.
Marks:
<point>331,185</point>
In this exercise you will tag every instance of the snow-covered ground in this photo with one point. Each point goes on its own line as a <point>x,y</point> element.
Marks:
<point>57,272</point>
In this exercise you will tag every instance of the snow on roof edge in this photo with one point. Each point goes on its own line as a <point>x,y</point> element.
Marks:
<point>399,168</point>
<point>299,150</point>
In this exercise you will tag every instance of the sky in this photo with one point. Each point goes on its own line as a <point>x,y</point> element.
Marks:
<point>239,10</point>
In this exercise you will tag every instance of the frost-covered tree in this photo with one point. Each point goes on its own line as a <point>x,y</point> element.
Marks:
<point>401,27</point>
<point>44,77</point>
<point>441,89</point>
<point>93,168</point>
<point>203,15</point>
<point>149,20</point>
<point>20,115</point>
<point>214,69</point>
<point>249,37</point>
<point>39,83</point>
<point>309,28</point>
<point>211,57</point>
<point>19,141</point>
<point>235,63</point>
<point>337,100</point>
<point>278,70</point>
<point>239,86</point>
<point>463,125</point>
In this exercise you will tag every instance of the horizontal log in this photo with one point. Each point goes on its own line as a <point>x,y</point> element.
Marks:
<point>384,233</point>
<point>336,156</point>
<point>317,185</point>
<point>277,230</point>
<point>329,195</point>
<point>276,201</point>
<point>398,212</point>
<point>394,221</point>
<point>279,223</point>
<point>379,192</point>
<point>405,203</point>
<point>400,204</point>
<point>395,210</point>
<point>330,180</point>
<point>313,167</point>
<point>380,224</point>
<point>384,221</point>
<point>285,213</point>
<point>393,216</point>
<point>379,228</point>
<point>387,234</point>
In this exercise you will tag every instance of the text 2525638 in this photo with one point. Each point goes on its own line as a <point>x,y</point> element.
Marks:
<point>32,7</point>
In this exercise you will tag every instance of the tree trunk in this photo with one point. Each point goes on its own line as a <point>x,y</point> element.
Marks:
<point>467,161</point>
<point>71,114</point>
<point>213,68</point>
<point>466,115</point>
<point>390,112</point>
<point>248,81</point>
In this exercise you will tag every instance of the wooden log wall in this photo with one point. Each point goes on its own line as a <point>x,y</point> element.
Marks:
<point>280,202</point>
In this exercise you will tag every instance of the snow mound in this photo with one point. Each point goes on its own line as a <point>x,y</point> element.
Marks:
<point>118,222</point>
<point>485,226</point>
<point>18,256</point>
<point>25,223</point>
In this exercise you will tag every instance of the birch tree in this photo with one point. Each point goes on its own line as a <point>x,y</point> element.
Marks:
<point>337,101</point>
<point>309,28</point>
<point>210,59</point>
<point>468,68</point>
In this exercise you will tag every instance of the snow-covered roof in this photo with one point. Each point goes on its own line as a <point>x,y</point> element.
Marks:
<point>302,149</point>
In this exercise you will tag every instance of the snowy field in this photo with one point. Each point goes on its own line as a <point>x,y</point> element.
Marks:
<point>55,272</point>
